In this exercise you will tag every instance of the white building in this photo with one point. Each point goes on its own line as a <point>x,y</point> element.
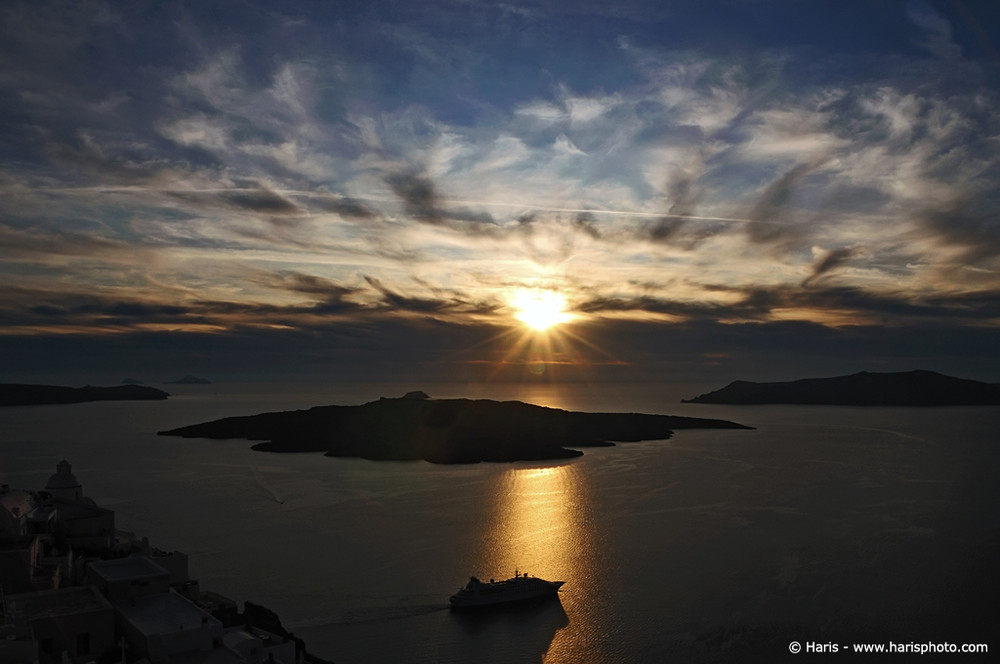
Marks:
<point>126,601</point>
<point>75,623</point>
<point>79,522</point>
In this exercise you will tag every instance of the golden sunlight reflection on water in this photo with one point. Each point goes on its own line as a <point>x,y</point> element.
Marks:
<point>539,524</point>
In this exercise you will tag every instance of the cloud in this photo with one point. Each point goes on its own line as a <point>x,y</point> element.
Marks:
<point>975,233</point>
<point>75,310</point>
<point>890,308</point>
<point>422,203</point>
<point>660,306</point>
<point>683,193</point>
<point>90,159</point>
<point>344,206</point>
<point>260,201</point>
<point>83,312</point>
<point>768,222</point>
<point>937,31</point>
<point>256,200</point>
<point>408,164</point>
<point>309,284</point>
<point>398,302</point>
<point>418,195</point>
<point>703,352</point>
<point>51,245</point>
<point>828,262</point>
<point>832,305</point>
<point>111,313</point>
<point>586,223</point>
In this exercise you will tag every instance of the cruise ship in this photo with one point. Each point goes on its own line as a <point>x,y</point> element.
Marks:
<point>521,588</point>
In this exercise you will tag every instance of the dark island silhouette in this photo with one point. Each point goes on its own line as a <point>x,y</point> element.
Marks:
<point>16,394</point>
<point>909,388</point>
<point>444,430</point>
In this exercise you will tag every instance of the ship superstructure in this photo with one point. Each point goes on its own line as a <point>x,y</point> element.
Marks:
<point>521,587</point>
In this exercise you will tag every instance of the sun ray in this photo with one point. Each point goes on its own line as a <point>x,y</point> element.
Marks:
<point>540,309</point>
<point>538,353</point>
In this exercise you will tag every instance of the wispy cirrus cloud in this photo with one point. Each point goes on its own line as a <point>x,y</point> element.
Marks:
<point>423,161</point>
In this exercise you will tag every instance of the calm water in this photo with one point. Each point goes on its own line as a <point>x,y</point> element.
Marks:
<point>824,524</point>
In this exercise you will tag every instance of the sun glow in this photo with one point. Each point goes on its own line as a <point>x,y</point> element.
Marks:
<point>551,342</point>
<point>540,309</point>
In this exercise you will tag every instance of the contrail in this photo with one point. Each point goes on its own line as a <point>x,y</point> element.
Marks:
<point>624,213</point>
<point>526,206</point>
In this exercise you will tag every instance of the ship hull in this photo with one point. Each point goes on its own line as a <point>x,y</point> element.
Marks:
<point>520,590</point>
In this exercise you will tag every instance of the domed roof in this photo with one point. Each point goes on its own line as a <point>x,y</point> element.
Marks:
<point>63,479</point>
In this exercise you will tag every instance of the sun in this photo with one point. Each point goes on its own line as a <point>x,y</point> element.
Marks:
<point>540,309</point>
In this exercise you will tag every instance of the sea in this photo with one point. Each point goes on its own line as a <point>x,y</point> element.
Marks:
<point>823,526</point>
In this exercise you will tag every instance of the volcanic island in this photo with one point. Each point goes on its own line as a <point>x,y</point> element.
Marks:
<point>416,427</point>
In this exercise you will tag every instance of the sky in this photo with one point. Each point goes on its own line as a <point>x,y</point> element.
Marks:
<point>347,190</point>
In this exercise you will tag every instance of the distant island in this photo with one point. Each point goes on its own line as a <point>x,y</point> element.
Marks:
<point>15,394</point>
<point>910,388</point>
<point>189,380</point>
<point>444,430</point>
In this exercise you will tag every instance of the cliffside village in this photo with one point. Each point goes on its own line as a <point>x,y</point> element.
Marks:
<point>75,590</point>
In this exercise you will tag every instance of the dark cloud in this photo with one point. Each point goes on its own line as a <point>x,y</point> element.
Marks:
<point>37,245</point>
<point>829,262</point>
<point>698,351</point>
<point>665,228</point>
<point>398,302</point>
<point>760,302</point>
<point>418,194</point>
<point>326,299</point>
<point>27,307</point>
<point>768,222</point>
<point>422,203</point>
<point>88,160</point>
<point>331,297</point>
<point>260,201</point>
<point>675,227</point>
<point>256,200</point>
<point>482,308</point>
<point>888,308</point>
<point>140,310</point>
<point>79,311</point>
<point>682,192</point>
<point>648,304</point>
<point>310,284</point>
<point>344,206</point>
<point>480,222</point>
<point>587,223</point>
<point>975,228</point>
<point>680,232</point>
